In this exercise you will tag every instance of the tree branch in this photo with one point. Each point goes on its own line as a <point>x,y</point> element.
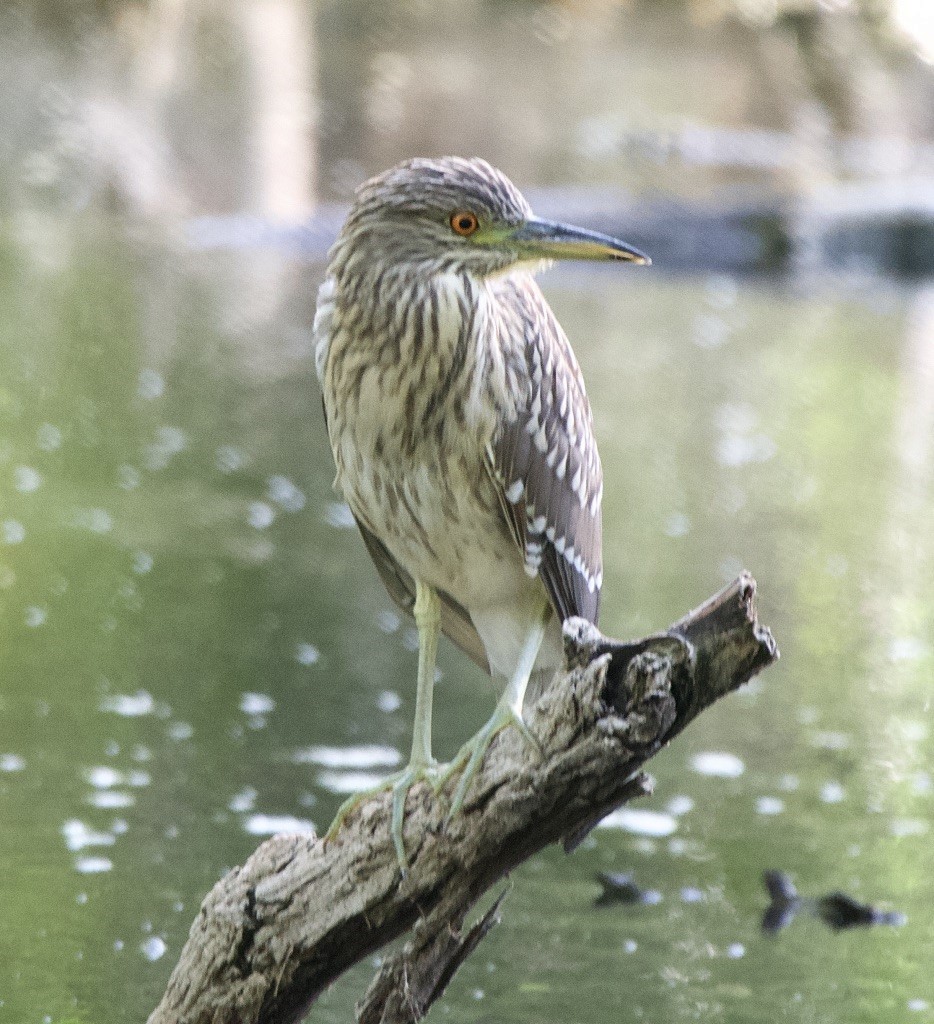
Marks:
<point>273,934</point>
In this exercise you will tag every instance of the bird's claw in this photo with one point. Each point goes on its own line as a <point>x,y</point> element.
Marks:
<point>399,784</point>
<point>471,754</point>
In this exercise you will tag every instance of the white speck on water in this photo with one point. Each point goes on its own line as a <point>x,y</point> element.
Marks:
<point>680,805</point>
<point>260,515</point>
<point>735,450</point>
<point>118,945</point>
<point>360,757</point>
<point>829,740</point>
<point>912,731</point>
<point>691,894</point>
<point>918,1005</point>
<point>11,763</point>
<point>128,477</point>
<point>410,639</point>
<point>922,783</point>
<point>338,515</point>
<point>832,793</point>
<point>111,799</point>
<point>12,531</point>
<point>904,828</point>
<point>119,826</point>
<point>677,525</point>
<point>907,648</point>
<point>138,778</point>
<point>81,899</point>
<point>94,520</point>
<point>180,731</point>
<point>78,835</point>
<point>48,437</point>
<point>807,715</point>
<point>141,753</point>
<point>26,479</point>
<point>270,824</point>
<point>35,616</point>
<point>151,385</point>
<point>738,445</point>
<point>307,654</point>
<point>630,946</point>
<point>142,562</point>
<point>709,331</point>
<point>736,950</point>
<point>129,705</point>
<point>789,783</point>
<point>153,948</point>
<point>256,703</point>
<point>769,805</point>
<point>655,824</point>
<point>93,865</point>
<point>285,494</point>
<point>721,291</point>
<point>388,621</point>
<point>388,701</point>
<point>717,763</point>
<point>103,777</point>
<point>478,994</point>
<point>170,441</point>
<point>347,782</point>
<point>243,801</point>
<point>229,459</point>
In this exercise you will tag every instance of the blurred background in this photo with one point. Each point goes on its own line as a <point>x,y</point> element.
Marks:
<point>194,648</point>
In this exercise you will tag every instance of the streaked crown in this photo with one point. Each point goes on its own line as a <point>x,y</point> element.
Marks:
<point>451,211</point>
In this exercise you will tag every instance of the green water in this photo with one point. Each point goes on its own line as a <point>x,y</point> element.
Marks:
<point>185,614</point>
<point>194,648</point>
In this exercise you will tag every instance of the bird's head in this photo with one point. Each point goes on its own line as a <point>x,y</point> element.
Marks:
<point>453,214</point>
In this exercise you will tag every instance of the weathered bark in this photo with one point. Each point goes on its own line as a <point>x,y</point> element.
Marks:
<point>274,933</point>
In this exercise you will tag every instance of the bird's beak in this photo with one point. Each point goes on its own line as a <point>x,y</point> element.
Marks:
<point>546,239</point>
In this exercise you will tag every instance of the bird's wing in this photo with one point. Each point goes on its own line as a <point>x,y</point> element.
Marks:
<point>455,621</point>
<point>545,462</point>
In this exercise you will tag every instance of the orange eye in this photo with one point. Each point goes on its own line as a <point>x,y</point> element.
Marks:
<point>464,222</point>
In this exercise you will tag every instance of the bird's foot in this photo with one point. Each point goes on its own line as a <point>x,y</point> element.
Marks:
<point>471,754</point>
<point>399,784</point>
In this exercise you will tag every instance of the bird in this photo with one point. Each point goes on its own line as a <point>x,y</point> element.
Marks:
<point>462,434</point>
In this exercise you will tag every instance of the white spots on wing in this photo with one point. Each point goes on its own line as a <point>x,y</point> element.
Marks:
<point>514,491</point>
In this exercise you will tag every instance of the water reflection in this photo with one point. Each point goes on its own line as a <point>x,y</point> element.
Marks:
<point>196,650</point>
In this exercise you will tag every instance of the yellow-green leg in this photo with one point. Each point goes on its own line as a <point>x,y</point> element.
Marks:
<point>508,712</point>
<point>421,766</point>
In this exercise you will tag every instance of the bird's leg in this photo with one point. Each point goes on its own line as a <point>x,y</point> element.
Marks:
<point>508,712</point>
<point>421,764</point>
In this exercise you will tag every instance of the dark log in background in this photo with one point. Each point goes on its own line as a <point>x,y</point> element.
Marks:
<point>274,933</point>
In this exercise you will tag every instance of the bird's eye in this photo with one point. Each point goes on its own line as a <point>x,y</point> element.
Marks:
<point>464,222</point>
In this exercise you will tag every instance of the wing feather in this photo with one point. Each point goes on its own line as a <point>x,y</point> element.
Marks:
<point>545,461</point>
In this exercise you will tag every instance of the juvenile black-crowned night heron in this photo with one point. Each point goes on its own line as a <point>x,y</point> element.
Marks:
<point>461,430</point>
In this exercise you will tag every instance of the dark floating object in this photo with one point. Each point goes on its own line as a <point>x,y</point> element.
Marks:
<point>621,887</point>
<point>838,910</point>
